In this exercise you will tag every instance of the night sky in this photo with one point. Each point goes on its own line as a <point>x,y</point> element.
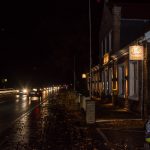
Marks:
<point>39,41</point>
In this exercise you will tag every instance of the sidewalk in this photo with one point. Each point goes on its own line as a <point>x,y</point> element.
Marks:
<point>119,128</point>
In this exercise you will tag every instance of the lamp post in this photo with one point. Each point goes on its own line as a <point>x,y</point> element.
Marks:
<point>84,83</point>
<point>90,66</point>
<point>74,74</point>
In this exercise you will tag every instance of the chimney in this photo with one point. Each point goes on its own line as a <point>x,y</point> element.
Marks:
<point>116,12</point>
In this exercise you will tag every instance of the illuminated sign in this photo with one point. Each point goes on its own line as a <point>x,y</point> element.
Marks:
<point>136,52</point>
<point>106,58</point>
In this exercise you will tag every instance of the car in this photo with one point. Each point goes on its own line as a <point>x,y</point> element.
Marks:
<point>35,93</point>
<point>23,91</point>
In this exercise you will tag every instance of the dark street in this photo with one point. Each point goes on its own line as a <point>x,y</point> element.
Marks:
<point>13,106</point>
<point>75,75</point>
<point>50,126</point>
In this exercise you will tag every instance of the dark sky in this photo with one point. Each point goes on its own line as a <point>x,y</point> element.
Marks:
<point>38,41</point>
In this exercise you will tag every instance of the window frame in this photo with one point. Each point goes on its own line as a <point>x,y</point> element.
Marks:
<point>134,93</point>
<point>121,80</point>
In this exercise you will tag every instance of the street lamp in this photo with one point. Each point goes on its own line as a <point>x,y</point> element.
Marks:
<point>90,66</point>
<point>83,76</point>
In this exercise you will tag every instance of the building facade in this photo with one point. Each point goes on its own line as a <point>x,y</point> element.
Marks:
<point>123,81</point>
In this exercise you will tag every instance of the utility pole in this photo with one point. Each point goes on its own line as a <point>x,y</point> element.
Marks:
<point>90,67</point>
<point>74,74</point>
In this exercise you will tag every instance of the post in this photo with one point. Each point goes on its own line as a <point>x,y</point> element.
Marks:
<point>90,67</point>
<point>74,75</point>
<point>142,96</point>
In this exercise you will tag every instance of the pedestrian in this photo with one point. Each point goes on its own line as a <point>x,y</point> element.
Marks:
<point>147,134</point>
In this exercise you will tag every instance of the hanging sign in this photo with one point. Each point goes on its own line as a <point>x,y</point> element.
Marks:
<point>136,52</point>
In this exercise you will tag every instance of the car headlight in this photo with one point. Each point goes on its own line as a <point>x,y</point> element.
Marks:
<point>25,91</point>
<point>35,90</point>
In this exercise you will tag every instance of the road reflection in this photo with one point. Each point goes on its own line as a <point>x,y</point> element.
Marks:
<point>23,119</point>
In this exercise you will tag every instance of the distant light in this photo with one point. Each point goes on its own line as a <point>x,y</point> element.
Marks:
<point>83,76</point>
<point>25,90</point>
<point>34,89</point>
<point>17,96</point>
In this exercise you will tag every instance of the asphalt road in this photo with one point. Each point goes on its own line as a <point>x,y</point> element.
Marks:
<point>13,106</point>
<point>50,126</point>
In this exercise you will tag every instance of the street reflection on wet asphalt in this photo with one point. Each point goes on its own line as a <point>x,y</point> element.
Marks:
<point>48,126</point>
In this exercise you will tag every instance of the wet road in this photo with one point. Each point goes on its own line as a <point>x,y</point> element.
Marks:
<point>13,106</point>
<point>50,126</point>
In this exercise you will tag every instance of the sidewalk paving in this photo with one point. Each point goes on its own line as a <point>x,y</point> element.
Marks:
<point>119,127</point>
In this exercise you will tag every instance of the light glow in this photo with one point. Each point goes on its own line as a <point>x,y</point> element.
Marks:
<point>25,91</point>
<point>136,52</point>
<point>83,76</point>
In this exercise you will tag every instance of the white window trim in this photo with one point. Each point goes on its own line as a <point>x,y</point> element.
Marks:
<point>122,93</point>
<point>105,82</point>
<point>110,41</point>
<point>110,80</point>
<point>134,97</point>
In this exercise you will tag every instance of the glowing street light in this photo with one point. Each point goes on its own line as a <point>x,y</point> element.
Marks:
<point>83,76</point>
